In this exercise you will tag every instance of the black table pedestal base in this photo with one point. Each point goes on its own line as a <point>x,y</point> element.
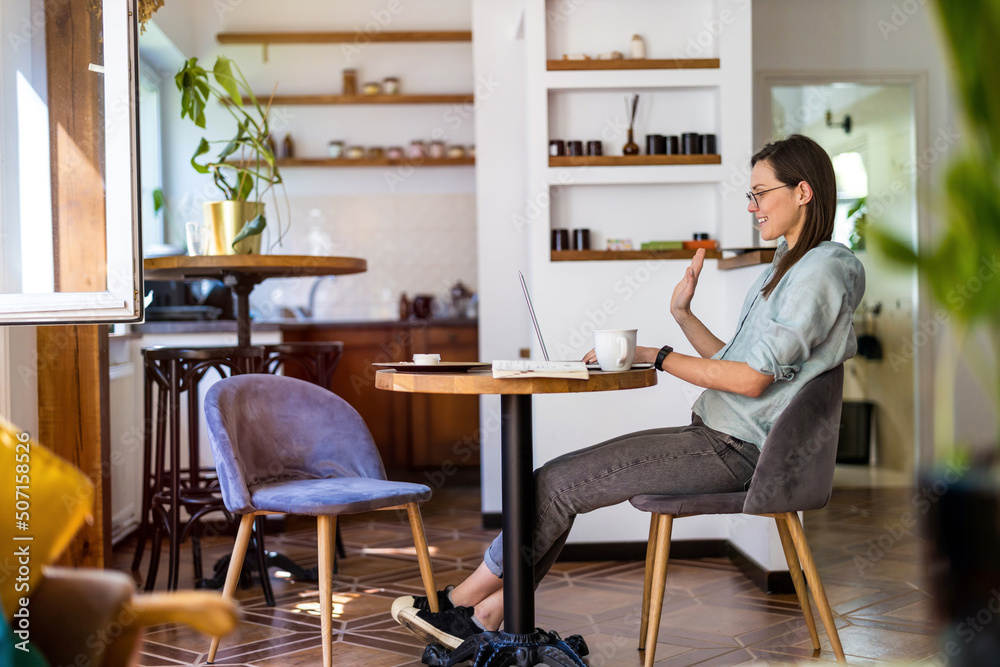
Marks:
<point>500,649</point>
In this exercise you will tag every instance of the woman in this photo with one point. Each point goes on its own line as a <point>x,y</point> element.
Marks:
<point>796,323</point>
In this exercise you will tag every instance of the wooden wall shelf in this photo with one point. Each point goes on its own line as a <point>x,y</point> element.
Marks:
<point>751,258</point>
<point>631,160</point>
<point>375,162</point>
<point>342,37</point>
<point>592,65</point>
<point>289,100</point>
<point>610,255</point>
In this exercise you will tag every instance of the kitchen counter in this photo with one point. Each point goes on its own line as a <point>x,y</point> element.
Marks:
<point>198,326</point>
<point>298,325</point>
<point>291,324</point>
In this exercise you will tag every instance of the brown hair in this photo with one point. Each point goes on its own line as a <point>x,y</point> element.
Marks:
<point>796,159</point>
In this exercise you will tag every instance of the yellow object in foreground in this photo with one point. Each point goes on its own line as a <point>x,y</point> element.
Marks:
<point>45,501</point>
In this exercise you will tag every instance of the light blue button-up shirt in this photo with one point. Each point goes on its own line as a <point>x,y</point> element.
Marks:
<point>802,330</point>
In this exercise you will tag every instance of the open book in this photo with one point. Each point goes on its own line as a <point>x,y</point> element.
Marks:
<point>520,368</point>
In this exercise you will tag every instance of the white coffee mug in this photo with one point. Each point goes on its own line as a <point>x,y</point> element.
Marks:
<point>615,348</point>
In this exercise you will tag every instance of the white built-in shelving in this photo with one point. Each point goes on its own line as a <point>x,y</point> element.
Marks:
<point>698,78</point>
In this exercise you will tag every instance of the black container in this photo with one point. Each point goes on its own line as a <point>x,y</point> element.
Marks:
<point>560,239</point>
<point>958,505</point>
<point>708,144</point>
<point>581,239</point>
<point>169,293</point>
<point>557,147</point>
<point>574,147</point>
<point>672,144</point>
<point>855,432</point>
<point>595,148</point>
<point>691,143</point>
<point>656,144</point>
<point>700,236</point>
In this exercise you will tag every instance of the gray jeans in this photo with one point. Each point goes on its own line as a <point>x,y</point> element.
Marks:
<point>681,460</point>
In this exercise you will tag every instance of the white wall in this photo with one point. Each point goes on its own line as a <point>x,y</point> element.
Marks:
<point>501,192</point>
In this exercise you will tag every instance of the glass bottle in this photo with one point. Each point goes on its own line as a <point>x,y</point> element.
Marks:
<point>404,307</point>
<point>630,147</point>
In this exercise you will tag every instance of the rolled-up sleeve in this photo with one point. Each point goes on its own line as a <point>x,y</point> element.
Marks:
<point>802,330</point>
<point>795,328</point>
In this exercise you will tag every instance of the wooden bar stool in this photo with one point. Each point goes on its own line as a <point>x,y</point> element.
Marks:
<point>310,361</point>
<point>171,373</point>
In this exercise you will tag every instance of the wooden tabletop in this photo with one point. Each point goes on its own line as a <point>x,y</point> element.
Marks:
<point>482,382</point>
<point>184,267</point>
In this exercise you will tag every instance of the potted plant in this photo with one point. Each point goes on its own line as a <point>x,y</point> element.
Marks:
<point>244,169</point>
<point>959,499</point>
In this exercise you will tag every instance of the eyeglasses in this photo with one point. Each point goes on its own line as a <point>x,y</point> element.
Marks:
<point>752,196</point>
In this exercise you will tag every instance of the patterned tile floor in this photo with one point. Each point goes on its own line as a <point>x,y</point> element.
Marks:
<point>712,614</point>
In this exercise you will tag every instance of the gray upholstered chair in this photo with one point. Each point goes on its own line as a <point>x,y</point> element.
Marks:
<point>287,446</point>
<point>794,474</point>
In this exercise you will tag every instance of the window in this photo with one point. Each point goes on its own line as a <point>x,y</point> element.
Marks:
<point>852,193</point>
<point>150,154</point>
<point>69,220</point>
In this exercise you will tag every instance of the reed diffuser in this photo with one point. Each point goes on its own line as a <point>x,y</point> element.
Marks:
<point>630,147</point>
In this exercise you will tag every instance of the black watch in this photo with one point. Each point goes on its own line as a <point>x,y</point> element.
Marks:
<point>664,351</point>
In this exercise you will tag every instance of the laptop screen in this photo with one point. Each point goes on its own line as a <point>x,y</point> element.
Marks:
<point>534,320</point>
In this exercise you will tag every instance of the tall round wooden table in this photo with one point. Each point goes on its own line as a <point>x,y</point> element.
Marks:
<point>521,642</point>
<point>244,272</point>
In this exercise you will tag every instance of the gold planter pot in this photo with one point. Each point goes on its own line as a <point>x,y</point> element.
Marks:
<point>227,218</point>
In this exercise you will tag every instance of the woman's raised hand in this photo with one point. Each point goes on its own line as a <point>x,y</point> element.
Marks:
<point>680,302</point>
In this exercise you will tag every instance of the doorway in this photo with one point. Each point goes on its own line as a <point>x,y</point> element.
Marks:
<point>870,126</point>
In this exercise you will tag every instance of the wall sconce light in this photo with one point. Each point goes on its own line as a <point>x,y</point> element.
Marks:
<point>846,123</point>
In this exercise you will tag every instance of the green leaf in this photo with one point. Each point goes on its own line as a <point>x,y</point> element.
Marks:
<point>245,186</point>
<point>158,201</point>
<point>202,149</point>
<point>857,206</point>
<point>255,226</point>
<point>223,71</point>
<point>895,249</point>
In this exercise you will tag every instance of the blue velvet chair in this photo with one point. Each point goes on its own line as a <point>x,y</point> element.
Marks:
<point>794,474</point>
<point>287,446</point>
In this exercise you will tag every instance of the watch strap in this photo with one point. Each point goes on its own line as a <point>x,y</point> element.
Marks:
<point>661,355</point>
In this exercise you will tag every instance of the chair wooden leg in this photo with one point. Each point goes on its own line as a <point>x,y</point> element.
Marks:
<point>325,527</point>
<point>665,524</point>
<point>812,576</point>
<point>647,580</point>
<point>423,556</point>
<point>235,567</point>
<point>800,583</point>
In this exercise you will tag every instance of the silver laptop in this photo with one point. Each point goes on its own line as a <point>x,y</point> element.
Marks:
<point>538,331</point>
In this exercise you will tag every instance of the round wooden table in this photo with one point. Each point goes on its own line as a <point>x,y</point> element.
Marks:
<point>520,641</point>
<point>244,272</point>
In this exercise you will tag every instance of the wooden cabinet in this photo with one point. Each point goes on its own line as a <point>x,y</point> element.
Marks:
<point>445,429</point>
<point>411,430</point>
